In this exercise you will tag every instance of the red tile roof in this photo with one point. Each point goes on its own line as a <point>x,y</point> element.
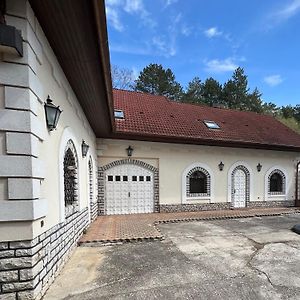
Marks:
<point>150,117</point>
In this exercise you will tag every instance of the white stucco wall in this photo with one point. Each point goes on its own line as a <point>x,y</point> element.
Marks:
<point>173,159</point>
<point>27,82</point>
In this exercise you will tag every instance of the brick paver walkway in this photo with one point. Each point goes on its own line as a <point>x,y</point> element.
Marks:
<point>125,228</point>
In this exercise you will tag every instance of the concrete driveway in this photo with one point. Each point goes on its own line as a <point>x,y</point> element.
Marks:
<point>251,258</point>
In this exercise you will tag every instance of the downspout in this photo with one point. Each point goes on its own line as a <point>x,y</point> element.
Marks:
<point>297,185</point>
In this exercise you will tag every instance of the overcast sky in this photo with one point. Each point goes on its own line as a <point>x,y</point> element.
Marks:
<point>211,38</point>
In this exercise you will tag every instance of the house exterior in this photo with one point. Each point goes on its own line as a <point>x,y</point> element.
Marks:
<point>48,190</point>
<point>156,156</point>
<point>190,157</point>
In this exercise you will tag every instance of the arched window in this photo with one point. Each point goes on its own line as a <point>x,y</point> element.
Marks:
<point>70,179</point>
<point>197,182</point>
<point>276,182</point>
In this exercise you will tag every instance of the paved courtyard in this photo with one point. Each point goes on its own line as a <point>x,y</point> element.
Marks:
<point>245,258</point>
<point>137,227</point>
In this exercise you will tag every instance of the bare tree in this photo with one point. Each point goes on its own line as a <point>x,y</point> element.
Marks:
<point>122,78</point>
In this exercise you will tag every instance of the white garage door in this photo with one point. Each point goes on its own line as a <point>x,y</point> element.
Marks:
<point>128,190</point>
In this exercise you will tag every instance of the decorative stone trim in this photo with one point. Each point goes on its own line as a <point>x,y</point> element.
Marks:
<point>101,181</point>
<point>93,211</point>
<point>185,185</point>
<point>194,207</point>
<point>284,203</point>
<point>246,171</point>
<point>283,182</point>
<point>93,205</point>
<point>169,208</point>
<point>27,268</point>
<point>208,185</point>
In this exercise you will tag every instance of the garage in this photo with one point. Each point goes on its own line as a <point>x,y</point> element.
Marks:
<point>128,190</point>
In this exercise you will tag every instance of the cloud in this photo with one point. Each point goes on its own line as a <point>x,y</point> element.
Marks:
<point>113,2</point>
<point>186,30</point>
<point>273,80</point>
<point>137,7</point>
<point>130,49</point>
<point>114,19</point>
<point>134,7</point>
<point>135,73</point>
<point>170,2</point>
<point>220,66</point>
<point>212,32</point>
<point>165,46</point>
<point>281,14</point>
<point>289,10</point>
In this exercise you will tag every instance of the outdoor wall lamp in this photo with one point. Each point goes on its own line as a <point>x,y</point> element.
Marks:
<point>259,166</point>
<point>52,114</point>
<point>10,38</point>
<point>221,166</point>
<point>129,151</point>
<point>84,148</point>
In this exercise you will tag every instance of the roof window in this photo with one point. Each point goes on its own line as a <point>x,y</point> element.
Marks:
<point>211,125</point>
<point>119,114</point>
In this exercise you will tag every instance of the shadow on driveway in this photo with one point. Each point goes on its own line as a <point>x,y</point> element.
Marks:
<point>253,258</point>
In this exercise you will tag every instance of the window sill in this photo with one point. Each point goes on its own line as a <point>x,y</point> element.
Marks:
<point>197,198</point>
<point>276,198</point>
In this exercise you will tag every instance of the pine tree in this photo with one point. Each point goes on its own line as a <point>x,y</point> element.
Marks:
<point>154,79</point>
<point>194,92</point>
<point>254,102</point>
<point>211,91</point>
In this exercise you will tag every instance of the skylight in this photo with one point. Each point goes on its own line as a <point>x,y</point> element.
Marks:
<point>119,114</point>
<point>211,125</point>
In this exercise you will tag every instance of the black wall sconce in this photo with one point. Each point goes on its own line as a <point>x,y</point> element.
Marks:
<point>84,148</point>
<point>259,167</point>
<point>10,38</point>
<point>52,114</point>
<point>129,151</point>
<point>221,166</point>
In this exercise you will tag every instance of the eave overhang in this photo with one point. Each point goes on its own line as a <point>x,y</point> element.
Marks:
<point>77,33</point>
<point>205,142</point>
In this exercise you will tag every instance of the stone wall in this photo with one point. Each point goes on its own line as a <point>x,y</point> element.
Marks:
<point>285,203</point>
<point>193,207</point>
<point>224,205</point>
<point>93,210</point>
<point>27,268</point>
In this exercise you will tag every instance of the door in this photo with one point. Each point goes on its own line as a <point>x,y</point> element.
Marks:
<point>129,190</point>
<point>239,186</point>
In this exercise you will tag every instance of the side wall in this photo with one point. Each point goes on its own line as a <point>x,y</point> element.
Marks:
<point>173,159</point>
<point>35,235</point>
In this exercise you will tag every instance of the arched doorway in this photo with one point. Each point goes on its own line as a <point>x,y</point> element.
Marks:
<point>240,179</point>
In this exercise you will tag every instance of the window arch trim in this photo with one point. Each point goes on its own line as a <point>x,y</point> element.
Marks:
<point>70,165</point>
<point>187,197</point>
<point>65,137</point>
<point>276,195</point>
